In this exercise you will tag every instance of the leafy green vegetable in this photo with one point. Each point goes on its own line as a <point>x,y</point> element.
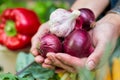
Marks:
<point>35,71</point>
<point>23,59</point>
<point>9,76</point>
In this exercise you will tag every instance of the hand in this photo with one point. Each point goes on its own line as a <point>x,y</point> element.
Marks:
<point>104,36</point>
<point>44,28</point>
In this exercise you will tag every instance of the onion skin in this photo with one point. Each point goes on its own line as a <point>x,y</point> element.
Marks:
<point>78,43</point>
<point>87,17</point>
<point>78,24</point>
<point>49,43</point>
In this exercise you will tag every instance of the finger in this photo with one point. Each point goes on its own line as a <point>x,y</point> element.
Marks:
<point>71,60</point>
<point>44,28</point>
<point>48,66</point>
<point>58,63</point>
<point>47,61</point>
<point>34,52</point>
<point>98,57</point>
<point>39,59</point>
<point>34,43</point>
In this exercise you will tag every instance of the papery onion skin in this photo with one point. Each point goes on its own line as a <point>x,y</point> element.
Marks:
<point>87,17</point>
<point>78,43</point>
<point>49,43</point>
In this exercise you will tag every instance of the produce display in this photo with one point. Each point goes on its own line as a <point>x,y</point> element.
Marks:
<point>73,38</point>
<point>17,27</point>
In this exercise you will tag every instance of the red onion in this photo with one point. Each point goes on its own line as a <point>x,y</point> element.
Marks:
<point>87,17</point>
<point>78,43</point>
<point>49,43</point>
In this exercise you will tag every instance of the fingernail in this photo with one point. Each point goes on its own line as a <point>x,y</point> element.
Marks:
<point>90,65</point>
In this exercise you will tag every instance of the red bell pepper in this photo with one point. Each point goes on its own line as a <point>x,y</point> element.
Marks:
<point>17,26</point>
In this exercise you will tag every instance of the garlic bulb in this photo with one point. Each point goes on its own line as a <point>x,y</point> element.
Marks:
<point>62,22</point>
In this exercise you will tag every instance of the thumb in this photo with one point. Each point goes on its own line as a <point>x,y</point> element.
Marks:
<point>99,56</point>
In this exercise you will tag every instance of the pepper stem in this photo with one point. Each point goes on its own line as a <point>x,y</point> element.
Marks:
<point>10,29</point>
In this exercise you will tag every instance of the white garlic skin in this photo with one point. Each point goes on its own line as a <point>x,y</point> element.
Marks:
<point>62,22</point>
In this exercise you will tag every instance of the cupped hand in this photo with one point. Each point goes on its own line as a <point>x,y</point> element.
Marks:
<point>104,36</point>
<point>43,29</point>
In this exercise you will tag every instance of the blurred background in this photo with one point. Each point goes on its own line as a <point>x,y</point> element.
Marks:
<point>42,7</point>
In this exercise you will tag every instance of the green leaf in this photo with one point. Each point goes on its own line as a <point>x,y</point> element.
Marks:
<point>35,71</point>
<point>10,76</point>
<point>23,59</point>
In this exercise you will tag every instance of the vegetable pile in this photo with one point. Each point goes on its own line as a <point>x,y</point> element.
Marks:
<point>68,33</point>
